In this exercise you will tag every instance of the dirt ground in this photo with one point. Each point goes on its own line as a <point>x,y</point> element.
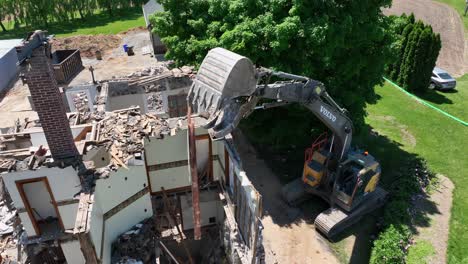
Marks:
<point>289,235</point>
<point>438,208</point>
<point>115,62</point>
<point>444,20</point>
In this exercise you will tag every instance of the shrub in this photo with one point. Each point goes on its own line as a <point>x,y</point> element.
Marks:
<point>391,246</point>
<point>417,50</point>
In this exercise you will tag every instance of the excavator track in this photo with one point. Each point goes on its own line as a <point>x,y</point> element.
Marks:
<point>334,220</point>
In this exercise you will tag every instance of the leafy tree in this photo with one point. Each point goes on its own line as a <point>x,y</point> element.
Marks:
<point>344,44</point>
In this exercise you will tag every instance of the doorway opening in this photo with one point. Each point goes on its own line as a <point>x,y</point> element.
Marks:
<point>40,206</point>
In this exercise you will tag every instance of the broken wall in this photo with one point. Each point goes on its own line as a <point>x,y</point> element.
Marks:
<point>121,201</point>
<point>80,97</point>
<point>38,137</point>
<point>72,252</point>
<point>64,184</point>
<point>122,96</point>
<point>167,161</point>
<point>242,207</point>
<point>210,207</point>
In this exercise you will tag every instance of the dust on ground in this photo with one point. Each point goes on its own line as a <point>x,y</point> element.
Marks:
<point>437,231</point>
<point>444,20</point>
<point>288,235</point>
<point>89,44</point>
<point>15,104</point>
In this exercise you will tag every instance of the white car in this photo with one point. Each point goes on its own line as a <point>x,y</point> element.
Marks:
<point>442,80</point>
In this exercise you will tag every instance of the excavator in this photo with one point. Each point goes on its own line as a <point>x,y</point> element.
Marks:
<point>228,88</point>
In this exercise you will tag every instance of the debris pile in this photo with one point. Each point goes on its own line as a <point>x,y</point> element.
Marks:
<point>155,102</point>
<point>80,100</point>
<point>138,245</point>
<point>122,133</point>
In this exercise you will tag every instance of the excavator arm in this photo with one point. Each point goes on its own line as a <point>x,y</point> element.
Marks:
<point>227,89</point>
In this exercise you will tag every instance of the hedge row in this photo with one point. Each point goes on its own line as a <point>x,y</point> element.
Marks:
<point>417,50</point>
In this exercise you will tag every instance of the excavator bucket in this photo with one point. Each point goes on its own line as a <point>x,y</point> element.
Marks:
<point>223,79</point>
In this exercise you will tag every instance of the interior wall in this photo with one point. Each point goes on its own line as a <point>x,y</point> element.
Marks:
<point>203,150</point>
<point>127,101</point>
<point>68,215</point>
<point>209,207</point>
<point>27,224</point>
<point>97,225</point>
<point>164,151</point>
<point>64,184</point>
<point>123,221</point>
<point>40,200</point>
<point>119,186</point>
<point>72,252</point>
<point>99,155</point>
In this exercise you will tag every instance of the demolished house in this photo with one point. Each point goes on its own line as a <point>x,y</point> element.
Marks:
<point>128,185</point>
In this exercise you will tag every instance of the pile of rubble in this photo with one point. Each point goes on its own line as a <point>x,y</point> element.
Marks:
<point>155,102</point>
<point>123,132</point>
<point>138,245</point>
<point>80,100</point>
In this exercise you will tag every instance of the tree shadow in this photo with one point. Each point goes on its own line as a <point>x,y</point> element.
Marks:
<point>95,20</point>
<point>388,152</point>
<point>435,96</point>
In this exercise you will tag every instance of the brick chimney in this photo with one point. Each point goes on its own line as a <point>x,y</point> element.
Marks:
<point>49,105</point>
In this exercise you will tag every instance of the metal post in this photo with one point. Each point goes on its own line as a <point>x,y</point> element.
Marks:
<point>91,69</point>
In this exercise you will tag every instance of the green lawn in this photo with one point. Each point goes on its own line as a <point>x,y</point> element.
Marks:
<point>408,128</point>
<point>459,5</point>
<point>99,23</point>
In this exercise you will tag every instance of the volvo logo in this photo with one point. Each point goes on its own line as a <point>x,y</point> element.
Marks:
<point>327,113</point>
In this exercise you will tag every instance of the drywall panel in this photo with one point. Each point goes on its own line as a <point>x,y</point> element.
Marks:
<point>168,149</point>
<point>119,186</point>
<point>64,183</point>
<point>40,200</point>
<point>68,215</point>
<point>170,178</point>
<point>96,226</point>
<point>72,252</point>
<point>123,221</point>
<point>27,224</point>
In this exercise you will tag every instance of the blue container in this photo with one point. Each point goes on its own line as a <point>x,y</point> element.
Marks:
<point>125,46</point>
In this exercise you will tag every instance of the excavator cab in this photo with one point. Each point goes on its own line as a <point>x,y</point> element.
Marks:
<point>357,177</point>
